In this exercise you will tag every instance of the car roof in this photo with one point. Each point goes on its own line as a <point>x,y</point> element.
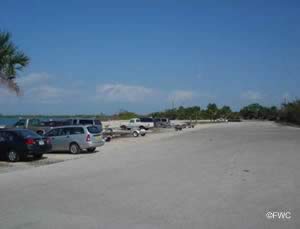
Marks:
<point>68,126</point>
<point>82,119</point>
<point>13,129</point>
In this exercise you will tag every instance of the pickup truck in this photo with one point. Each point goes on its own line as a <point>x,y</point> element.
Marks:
<point>32,124</point>
<point>138,123</point>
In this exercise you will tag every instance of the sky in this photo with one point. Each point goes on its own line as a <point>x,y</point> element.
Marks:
<point>92,56</point>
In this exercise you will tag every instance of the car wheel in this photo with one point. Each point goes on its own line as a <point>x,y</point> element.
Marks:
<point>13,156</point>
<point>91,150</point>
<point>39,156</point>
<point>74,148</point>
<point>135,134</point>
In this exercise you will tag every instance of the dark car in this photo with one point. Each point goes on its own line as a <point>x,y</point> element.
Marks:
<point>17,144</point>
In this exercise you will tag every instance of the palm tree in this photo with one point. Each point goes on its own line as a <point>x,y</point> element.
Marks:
<point>12,60</point>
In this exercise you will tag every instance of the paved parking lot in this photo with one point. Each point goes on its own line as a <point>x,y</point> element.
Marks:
<point>57,157</point>
<point>213,176</point>
<point>47,159</point>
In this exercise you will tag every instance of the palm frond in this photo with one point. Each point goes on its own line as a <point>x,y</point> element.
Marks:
<point>12,60</point>
<point>4,38</point>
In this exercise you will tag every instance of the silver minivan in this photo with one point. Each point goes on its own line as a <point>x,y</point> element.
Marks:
<point>75,138</point>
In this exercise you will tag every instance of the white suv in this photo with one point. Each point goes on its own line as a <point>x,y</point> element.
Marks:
<point>139,123</point>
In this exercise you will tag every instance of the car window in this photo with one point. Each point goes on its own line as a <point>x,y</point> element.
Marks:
<point>138,120</point>
<point>86,122</point>
<point>67,122</point>
<point>93,129</point>
<point>6,137</point>
<point>34,122</point>
<point>131,121</point>
<point>54,132</point>
<point>64,131</point>
<point>146,119</point>
<point>76,130</point>
<point>21,122</point>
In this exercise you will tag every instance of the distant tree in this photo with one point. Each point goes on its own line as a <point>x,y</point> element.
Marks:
<point>290,112</point>
<point>257,111</point>
<point>124,115</point>
<point>12,60</point>
<point>225,112</point>
<point>195,112</point>
<point>252,111</point>
<point>212,111</point>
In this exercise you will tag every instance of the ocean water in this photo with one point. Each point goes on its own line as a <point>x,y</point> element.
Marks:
<point>7,121</point>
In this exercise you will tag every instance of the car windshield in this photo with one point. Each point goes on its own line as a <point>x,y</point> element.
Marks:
<point>146,119</point>
<point>28,134</point>
<point>20,123</point>
<point>93,129</point>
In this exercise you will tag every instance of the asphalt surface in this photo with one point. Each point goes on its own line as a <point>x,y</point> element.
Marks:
<point>214,176</point>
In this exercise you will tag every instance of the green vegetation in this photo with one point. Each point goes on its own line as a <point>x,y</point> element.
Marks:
<point>257,111</point>
<point>290,112</point>
<point>212,112</point>
<point>12,60</point>
<point>124,115</point>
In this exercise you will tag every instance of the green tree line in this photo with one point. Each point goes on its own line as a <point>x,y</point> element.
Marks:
<point>212,112</point>
<point>288,112</point>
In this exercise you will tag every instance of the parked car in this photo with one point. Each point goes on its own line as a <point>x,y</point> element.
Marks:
<point>75,138</point>
<point>85,121</point>
<point>16,144</point>
<point>178,127</point>
<point>110,133</point>
<point>33,124</point>
<point>162,122</point>
<point>138,123</point>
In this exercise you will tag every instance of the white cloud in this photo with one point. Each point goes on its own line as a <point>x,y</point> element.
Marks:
<point>33,79</point>
<point>49,94</point>
<point>251,95</point>
<point>38,88</point>
<point>123,93</point>
<point>182,96</point>
<point>43,88</point>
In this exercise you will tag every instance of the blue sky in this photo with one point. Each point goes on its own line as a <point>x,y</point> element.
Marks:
<point>99,56</point>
